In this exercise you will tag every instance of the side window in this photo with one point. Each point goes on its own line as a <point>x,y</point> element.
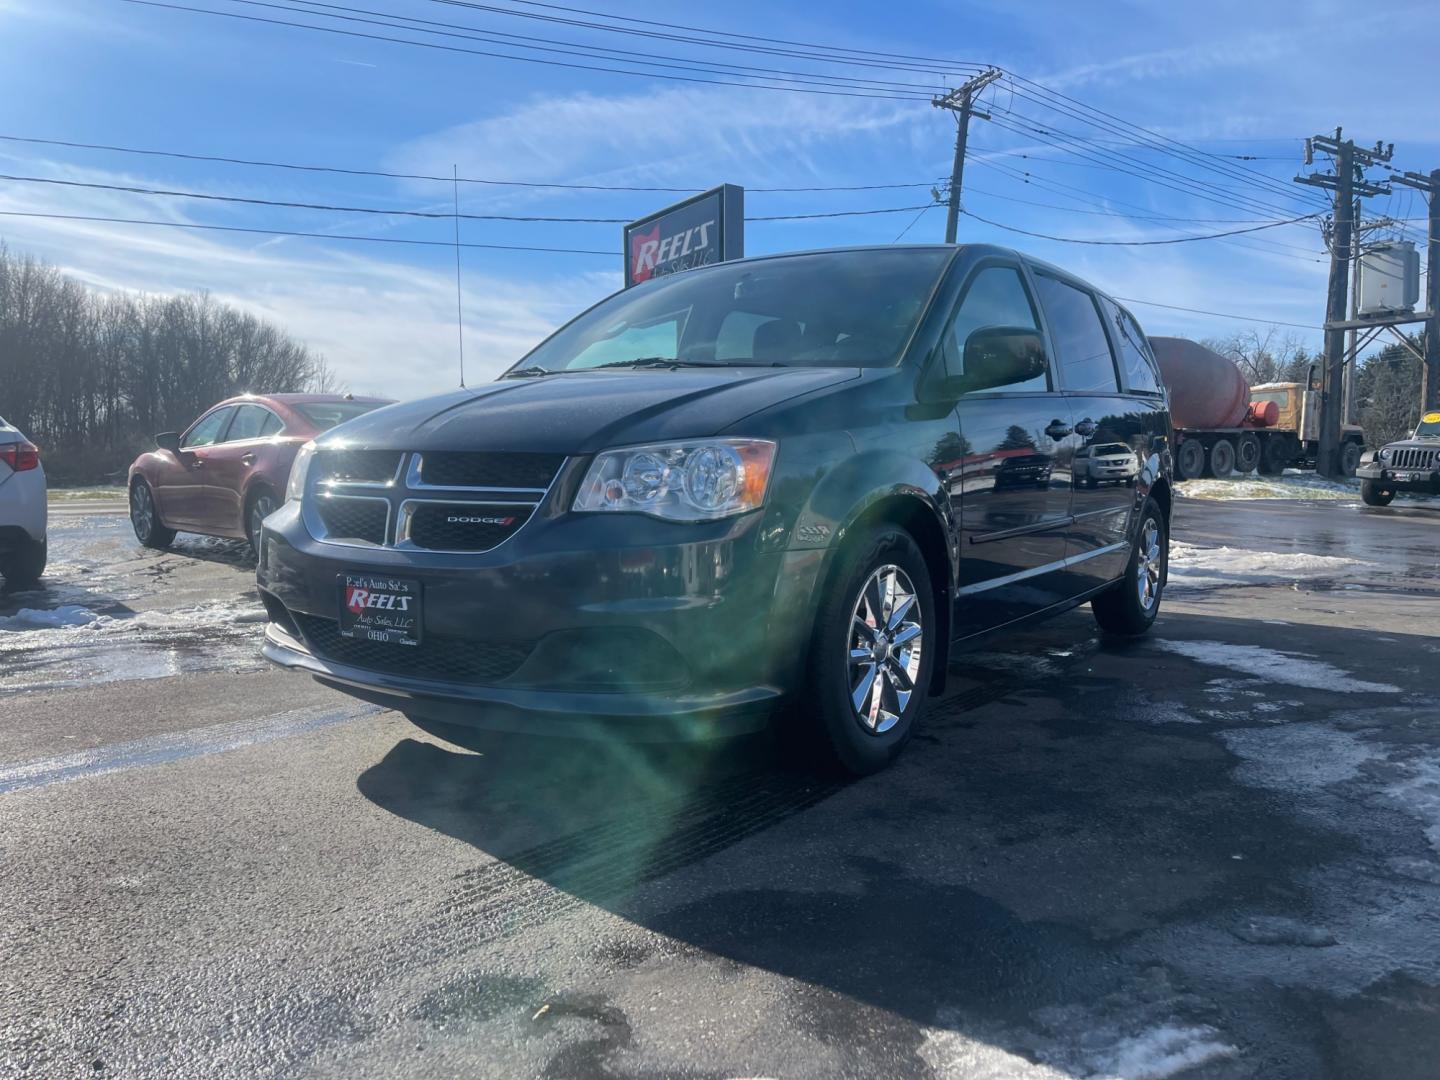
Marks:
<point>1141,376</point>
<point>249,423</point>
<point>208,429</point>
<point>996,296</point>
<point>272,426</point>
<point>1086,364</point>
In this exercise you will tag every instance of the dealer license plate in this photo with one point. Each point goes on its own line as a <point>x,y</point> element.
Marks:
<point>376,607</point>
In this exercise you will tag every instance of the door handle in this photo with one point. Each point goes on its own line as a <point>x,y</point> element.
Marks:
<point>1058,429</point>
<point>1086,427</point>
<point>249,459</point>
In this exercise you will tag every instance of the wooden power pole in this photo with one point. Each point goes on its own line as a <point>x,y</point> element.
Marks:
<point>1347,182</point>
<point>962,103</point>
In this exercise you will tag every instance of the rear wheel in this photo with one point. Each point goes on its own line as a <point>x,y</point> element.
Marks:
<point>262,505</point>
<point>1274,456</point>
<point>1222,458</point>
<point>1129,608</point>
<point>1375,495</point>
<point>872,653</point>
<point>1247,453</point>
<point>22,567</point>
<point>1190,461</point>
<point>1350,457</point>
<point>145,518</point>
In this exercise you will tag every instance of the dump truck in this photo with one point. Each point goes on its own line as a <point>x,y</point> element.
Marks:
<point>1224,426</point>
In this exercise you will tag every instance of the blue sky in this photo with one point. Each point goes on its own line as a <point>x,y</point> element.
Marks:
<point>1228,78</point>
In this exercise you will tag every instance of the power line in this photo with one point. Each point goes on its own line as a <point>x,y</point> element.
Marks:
<point>499,247</point>
<point>435,45</point>
<point>310,235</point>
<point>1217,314</point>
<point>552,45</point>
<point>343,171</point>
<point>1138,243</point>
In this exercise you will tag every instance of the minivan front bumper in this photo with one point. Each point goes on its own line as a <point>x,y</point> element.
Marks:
<point>580,623</point>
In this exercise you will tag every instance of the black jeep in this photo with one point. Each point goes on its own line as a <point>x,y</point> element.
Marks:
<point>1411,464</point>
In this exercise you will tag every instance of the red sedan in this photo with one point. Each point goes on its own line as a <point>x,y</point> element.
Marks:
<point>228,470</point>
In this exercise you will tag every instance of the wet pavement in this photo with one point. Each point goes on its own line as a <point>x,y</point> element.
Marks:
<point>1212,853</point>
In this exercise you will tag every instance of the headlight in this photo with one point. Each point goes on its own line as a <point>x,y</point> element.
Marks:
<point>298,470</point>
<point>1386,453</point>
<point>687,481</point>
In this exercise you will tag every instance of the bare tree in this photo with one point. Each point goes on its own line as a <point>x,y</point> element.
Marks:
<point>91,375</point>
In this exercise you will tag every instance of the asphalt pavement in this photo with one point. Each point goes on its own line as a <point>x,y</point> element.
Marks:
<point>1211,853</point>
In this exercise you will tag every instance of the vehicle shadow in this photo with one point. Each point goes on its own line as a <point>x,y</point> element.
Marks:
<point>1061,804</point>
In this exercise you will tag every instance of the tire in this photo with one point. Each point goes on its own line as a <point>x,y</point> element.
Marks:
<point>260,506</point>
<point>1221,461</point>
<point>1374,495</point>
<point>1274,456</point>
<point>1190,459</point>
<point>1350,452</point>
<point>1247,453</point>
<point>1129,608</point>
<point>145,518</point>
<point>22,567</point>
<point>878,572</point>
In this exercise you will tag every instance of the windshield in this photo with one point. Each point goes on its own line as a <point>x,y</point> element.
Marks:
<point>327,414</point>
<point>850,308</point>
<point>1429,426</point>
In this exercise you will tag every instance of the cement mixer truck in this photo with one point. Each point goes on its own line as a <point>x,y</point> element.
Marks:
<point>1224,426</point>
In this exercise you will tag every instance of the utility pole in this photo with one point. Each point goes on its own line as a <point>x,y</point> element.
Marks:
<point>1430,384</point>
<point>1348,183</point>
<point>962,103</point>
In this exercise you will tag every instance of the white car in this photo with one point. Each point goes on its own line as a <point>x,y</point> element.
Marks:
<point>22,510</point>
<point>1106,461</point>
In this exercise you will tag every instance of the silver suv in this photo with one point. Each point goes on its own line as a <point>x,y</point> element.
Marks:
<point>22,509</point>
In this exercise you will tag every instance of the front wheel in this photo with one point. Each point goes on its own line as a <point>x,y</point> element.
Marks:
<point>22,567</point>
<point>1130,606</point>
<point>145,518</point>
<point>873,650</point>
<point>1374,495</point>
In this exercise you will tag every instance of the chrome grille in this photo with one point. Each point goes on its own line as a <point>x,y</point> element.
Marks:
<point>452,501</point>
<point>1413,457</point>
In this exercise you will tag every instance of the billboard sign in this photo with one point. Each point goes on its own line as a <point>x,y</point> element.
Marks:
<point>704,229</point>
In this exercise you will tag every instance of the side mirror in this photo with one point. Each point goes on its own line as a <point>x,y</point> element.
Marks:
<point>168,440</point>
<point>998,356</point>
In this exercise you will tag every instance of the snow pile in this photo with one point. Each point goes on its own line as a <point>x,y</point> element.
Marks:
<point>1192,566</point>
<point>37,619</point>
<point>1294,484</point>
<point>1289,669</point>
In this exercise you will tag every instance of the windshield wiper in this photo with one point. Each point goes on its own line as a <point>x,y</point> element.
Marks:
<point>528,373</point>
<point>651,362</point>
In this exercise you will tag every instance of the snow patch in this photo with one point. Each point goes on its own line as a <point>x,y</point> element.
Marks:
<point>38,619</point>
<point>1271,665</point>
<point>1294,484</point>
<point>1164,1051</point>
<point>1299,758</point>
<point>1192,566</point>
<point>1417,794</point>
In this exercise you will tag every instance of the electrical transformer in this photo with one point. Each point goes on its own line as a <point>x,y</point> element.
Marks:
<point>1389,278</point>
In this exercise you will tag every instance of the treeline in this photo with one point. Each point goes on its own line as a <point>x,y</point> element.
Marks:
<point>90,376</point>
<point>1387,382</point>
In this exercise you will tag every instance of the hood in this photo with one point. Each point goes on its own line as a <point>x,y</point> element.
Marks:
<point>584,411</point>
<point>1414,444</point>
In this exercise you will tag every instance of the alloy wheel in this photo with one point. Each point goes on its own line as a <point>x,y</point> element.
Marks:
<point>142,510</point>
<point>886,639</point>
<point>1149,565</point>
